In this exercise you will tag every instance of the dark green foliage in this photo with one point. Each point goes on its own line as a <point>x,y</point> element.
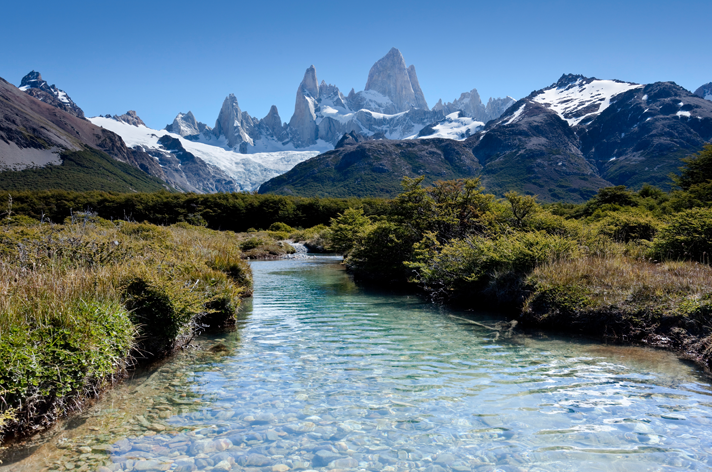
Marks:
<point>82,171</point>
<point>697,170</point>
<point>235,211</point>
<point>627,226</point>
<point>160,311</point>
<point>687,237</point>
<point>47,364</point>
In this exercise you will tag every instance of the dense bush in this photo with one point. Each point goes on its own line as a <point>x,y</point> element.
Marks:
<point>688,236</point>
<point>233,211</point>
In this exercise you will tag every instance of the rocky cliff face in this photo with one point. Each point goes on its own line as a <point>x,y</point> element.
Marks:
<point>185,124</point>
<point>273,124</point>
<point>391,78</point>
<point>34,85</point>
<point>187,172</point>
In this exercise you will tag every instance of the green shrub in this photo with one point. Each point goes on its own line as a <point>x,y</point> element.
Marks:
<point>347,229</point>
<point>380,251</point>
<point>251,243</point>
<point>628,226</point>
<point>19,220</point>
<point>236,268</point>
<point>688,236</point>
<point>282,227</point>
<point>162,309</point>
<point>478,260</point>
<point>42,364</point>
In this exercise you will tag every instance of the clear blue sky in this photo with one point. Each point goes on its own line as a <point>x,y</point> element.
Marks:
<point>161,58</point>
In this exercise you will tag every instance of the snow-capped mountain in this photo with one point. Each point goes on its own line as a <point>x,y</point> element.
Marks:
<point>578,99</point>
<point>705,91</point>
<point>34,85</point>
<point>242,151</point>
<point>200,167</point>
<point>562,143</point>
<point>567,140</point>
<point>392,105</point>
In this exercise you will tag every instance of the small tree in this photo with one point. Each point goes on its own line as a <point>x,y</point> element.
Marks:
<point>697,169</point>
<point>522,206</point>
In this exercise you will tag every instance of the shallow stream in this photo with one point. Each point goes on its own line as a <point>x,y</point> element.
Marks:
<point>323,374</point>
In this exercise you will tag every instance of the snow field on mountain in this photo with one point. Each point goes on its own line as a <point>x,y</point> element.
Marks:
<point>568,102</point>
<point>455,127</point>
<point>250,169</point>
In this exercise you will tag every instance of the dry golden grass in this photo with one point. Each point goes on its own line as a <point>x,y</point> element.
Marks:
<point>615,280</point>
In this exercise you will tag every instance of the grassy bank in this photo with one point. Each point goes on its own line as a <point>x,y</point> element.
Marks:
<point>82,301</point>
<point>628,266</point>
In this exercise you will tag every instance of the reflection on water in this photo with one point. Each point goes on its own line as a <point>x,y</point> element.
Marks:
<point>322,374</point>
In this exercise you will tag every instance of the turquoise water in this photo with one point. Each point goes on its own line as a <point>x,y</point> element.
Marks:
<point>324,374</point>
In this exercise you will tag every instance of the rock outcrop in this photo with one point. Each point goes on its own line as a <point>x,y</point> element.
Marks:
<point>130,118</point>
<point>34,85</point>
<point>273,123</point>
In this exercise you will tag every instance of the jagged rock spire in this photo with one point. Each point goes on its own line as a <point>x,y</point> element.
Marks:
<point>303,122</point>
<point>391,78</point>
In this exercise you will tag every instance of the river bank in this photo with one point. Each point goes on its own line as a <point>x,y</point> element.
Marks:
<point>84,302</point>
<point>627,267</point>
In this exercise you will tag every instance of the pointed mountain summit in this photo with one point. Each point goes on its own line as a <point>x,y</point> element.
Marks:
<point>309,85</point>
<point>391,78</point>
<point>34,85</point>
<point>234,124</point>
<point>185,124</point>
<point>273,122</point>
<point>303,122</point>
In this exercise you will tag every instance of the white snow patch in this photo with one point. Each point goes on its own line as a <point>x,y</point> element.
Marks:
<point>708,96</point>
<point>683,113</point>
<point>570,102</point>
<point>62,96</point>
<point>645,97</point>
<point>454,127</point>
<point>515,116</point>
<point>374,96</point>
